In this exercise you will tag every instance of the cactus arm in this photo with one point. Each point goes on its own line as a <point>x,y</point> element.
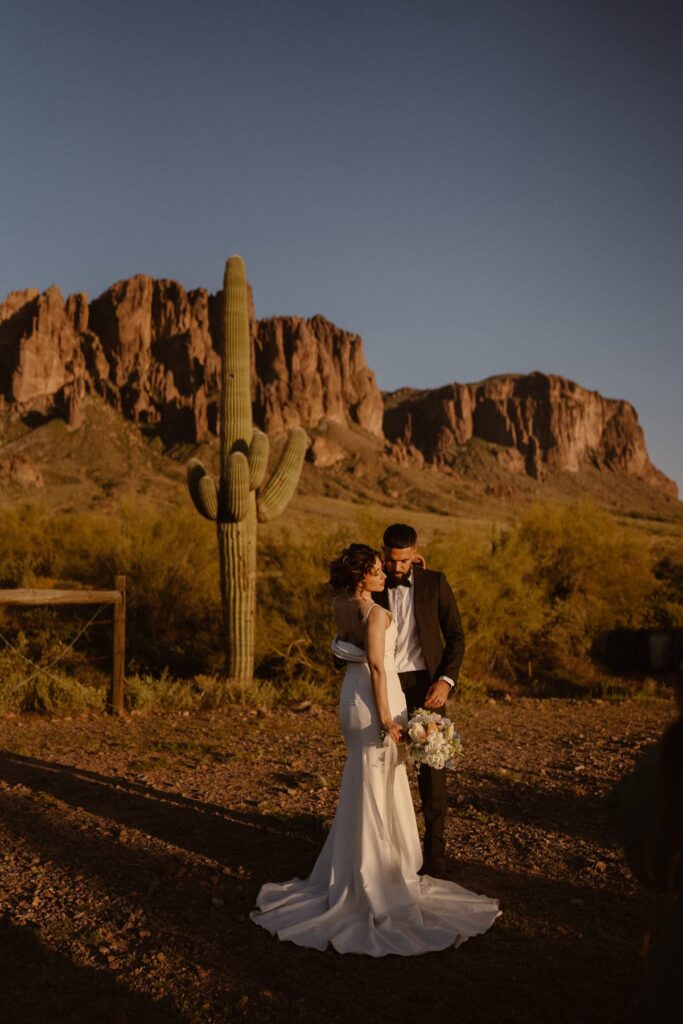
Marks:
<point>202,489</point>
<point>258,459</point>
<point>277,493</point>
<point>235,494</point>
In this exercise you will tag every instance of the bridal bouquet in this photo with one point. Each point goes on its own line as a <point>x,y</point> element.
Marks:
<point>431,739</point>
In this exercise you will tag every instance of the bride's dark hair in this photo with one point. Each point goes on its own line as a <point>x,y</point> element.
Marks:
<point>353,564</point>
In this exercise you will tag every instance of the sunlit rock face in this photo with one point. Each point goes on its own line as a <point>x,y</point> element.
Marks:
<point>163,365</point>
<point>42,362</point>
<point>151,348</point>
<point>308,371</point>
<point>541,422</point>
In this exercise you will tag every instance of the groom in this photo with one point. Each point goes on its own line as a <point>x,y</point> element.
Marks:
<point>429,652</point>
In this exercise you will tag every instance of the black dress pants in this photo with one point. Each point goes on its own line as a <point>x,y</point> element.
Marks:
<point>431,781</point>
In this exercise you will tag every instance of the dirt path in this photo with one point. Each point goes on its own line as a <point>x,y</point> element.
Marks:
<point>131,853</point>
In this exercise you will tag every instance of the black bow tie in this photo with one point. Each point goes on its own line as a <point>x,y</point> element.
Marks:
<point>405,582</point>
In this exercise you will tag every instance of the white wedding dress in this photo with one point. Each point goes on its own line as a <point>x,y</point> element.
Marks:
<point>364,894</point>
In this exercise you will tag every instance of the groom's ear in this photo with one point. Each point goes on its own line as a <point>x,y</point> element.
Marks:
<point>419,559</point>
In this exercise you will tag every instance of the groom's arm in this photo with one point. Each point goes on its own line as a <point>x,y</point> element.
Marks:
<point>452,632</point>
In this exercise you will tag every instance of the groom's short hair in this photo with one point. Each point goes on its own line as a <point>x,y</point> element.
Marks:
<point>400,535</point>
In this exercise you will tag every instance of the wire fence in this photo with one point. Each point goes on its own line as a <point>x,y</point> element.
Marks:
<point>104,599</point>
<point>45,669</point>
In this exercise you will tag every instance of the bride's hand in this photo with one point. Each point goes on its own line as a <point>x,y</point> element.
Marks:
<point>392,729</point>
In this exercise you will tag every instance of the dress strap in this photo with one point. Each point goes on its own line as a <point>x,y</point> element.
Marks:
<point>374,604</point>
<point>366,615</point>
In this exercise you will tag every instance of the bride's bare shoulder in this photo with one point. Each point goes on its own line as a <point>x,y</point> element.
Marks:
<point>386,616</point>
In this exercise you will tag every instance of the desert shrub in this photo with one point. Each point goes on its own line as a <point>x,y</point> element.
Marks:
<point>201,693</point>
<point>294,607</point>
<point>13,683</point>
<point>173,603</point>
<point>174,623</point>
<point>26,550</point>
<point>257,694</point>
<point>665,605</point>
<point>535,599</point>
<point>39,669</point>
<point>23,688</point>
<point>160,692</point>
<point>174,617</point>
<point>60,695</point>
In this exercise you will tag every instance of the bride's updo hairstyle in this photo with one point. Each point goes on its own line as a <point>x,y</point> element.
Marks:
<point>354,563</point>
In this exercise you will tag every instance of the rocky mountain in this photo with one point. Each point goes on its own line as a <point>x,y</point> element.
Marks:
<point>536,423</point>
<point>308,372</point>
<point>149,348</point>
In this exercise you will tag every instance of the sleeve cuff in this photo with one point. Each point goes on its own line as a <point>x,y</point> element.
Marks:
<point>448,680</point>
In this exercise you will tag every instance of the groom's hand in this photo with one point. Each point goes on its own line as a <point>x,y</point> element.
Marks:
<point>437,694</point>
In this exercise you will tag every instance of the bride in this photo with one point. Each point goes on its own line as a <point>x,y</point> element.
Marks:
<point>364,894</point>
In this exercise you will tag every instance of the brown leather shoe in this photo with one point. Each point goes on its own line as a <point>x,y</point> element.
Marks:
<point>435,867</point>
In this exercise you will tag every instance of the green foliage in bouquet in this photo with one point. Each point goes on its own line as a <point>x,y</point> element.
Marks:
<point>242,497</point>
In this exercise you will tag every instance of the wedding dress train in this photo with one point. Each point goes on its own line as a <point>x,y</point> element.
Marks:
<point>364,894</point>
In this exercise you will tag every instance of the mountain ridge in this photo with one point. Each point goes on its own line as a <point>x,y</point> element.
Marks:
<point>149,348</point>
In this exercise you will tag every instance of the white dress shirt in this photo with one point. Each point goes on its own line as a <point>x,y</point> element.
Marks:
<point>408,656</point>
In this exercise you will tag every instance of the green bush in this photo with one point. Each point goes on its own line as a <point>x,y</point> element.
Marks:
<point>173,620</point>
<point>665,609</point>
<point>201,693</point>
<point>294,607</point>
<point>24,688</point>
<point>533,599</point>
<point>173,603</point>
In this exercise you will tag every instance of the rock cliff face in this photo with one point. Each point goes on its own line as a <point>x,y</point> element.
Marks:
<point>308,371</point>
<point>162,366</point>
<point>150,348</point>
<point>537,422</point>
<point>42,358</point>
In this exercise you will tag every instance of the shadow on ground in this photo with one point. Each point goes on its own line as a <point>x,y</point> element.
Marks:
<point>553,810</point>
<point>40,986</point>
<point>555,947</point>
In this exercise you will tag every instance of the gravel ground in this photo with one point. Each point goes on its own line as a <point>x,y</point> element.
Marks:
<point>131,852</point>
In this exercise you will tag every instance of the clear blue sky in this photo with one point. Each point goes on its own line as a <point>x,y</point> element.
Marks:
<point>476,187</point>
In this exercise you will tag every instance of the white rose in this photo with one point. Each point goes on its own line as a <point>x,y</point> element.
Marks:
<point>418,733</point>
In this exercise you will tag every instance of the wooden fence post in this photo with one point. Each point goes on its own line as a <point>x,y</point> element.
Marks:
<point>119,659</point>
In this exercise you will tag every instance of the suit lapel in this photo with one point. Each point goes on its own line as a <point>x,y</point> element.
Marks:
<point>418,596</point>
<point>418,590</point>
<point>382,597</point>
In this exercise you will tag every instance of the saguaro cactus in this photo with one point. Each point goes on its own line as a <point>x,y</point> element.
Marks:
<point>242,497</point>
